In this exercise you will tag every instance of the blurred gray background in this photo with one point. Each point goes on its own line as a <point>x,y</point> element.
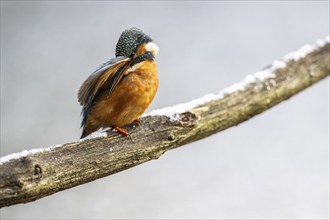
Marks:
<point>275,165</point>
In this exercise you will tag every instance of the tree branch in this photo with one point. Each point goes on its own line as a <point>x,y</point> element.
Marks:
<point>31,175</point>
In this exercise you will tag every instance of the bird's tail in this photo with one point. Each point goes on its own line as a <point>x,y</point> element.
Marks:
<point>88,128</point>
<point>83,134</point>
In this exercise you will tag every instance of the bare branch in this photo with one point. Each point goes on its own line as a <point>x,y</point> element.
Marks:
<point>31,175</point>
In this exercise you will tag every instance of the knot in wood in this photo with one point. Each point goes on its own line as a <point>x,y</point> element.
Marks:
<point>37,171</point>
<point>187,119</point>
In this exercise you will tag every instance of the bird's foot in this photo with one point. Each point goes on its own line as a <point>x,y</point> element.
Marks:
<point>121,130</point>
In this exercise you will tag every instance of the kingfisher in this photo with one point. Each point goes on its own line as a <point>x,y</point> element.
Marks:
<point>119,91</point>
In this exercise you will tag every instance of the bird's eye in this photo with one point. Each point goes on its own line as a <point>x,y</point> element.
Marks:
<point>148,53</point>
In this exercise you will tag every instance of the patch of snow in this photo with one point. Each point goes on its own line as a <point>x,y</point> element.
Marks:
<point>97,134</point>
<point>25,153</point>
<point>306,49</point>
<point>302,52</point>
<point>173,111</point>
<point>322,42</point>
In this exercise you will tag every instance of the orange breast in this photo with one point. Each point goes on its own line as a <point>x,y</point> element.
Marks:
<point>130,98</point>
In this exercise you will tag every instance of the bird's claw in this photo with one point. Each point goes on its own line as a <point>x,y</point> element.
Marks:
<point>121,130</point>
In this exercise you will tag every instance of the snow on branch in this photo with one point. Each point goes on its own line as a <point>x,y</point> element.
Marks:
<point>33,174</point>
<point>268,72</point>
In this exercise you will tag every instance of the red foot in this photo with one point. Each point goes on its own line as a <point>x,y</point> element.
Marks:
<point>122,131</point>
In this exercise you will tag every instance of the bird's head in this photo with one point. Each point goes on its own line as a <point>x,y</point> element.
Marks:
<point>133,43</point>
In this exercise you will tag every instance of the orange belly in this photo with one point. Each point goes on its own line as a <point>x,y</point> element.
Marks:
<point>128,101</point>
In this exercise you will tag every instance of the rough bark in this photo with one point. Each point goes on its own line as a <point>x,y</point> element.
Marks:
<point>41,174</point>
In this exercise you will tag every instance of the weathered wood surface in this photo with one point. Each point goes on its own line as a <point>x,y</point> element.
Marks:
<point>43,173</point>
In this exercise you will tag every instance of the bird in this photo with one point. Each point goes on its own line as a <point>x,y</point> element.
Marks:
<point>118,92</point>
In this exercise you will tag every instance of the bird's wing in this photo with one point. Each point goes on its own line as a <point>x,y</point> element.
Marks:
<point>96,80</point>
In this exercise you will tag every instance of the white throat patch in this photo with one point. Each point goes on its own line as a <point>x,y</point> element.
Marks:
<point>153,48</point>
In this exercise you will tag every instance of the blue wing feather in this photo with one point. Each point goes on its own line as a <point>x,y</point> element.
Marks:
<point>108,64</point>
<point>86,94</point>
